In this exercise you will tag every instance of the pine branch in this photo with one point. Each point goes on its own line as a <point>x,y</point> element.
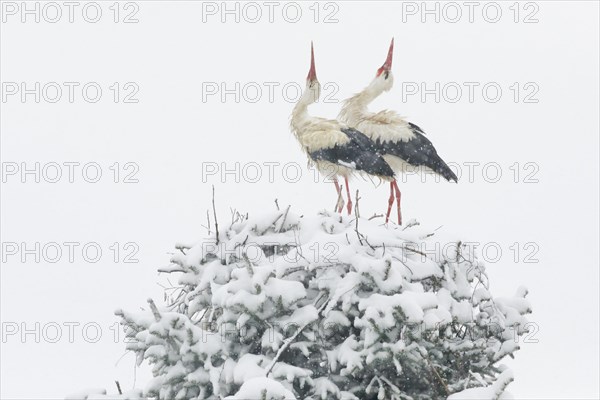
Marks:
<point>155,311</point>
<point>437,375</point>
<point>501,385</point>
<point>289,341</point>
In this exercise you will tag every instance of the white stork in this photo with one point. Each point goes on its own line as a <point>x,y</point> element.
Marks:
<point>334,148</point>
<point>402,143</point>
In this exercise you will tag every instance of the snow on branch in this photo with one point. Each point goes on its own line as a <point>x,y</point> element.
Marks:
<point>282,306</point>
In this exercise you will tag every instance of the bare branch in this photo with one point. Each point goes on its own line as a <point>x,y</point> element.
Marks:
<point>215,213</point>
<point>375,216</point>
<point>356,219</point>
<point>284,218</point>
<point>208,219</point>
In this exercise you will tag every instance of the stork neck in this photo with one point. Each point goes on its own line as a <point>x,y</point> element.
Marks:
<point>300,115</point>
<point>370,93</point>
<point>355,108</point>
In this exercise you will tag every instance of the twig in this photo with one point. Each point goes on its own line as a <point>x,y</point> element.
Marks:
<point>170,271</point>
<point>358,233</point>
<point>405,249</point>
<point>356,212</point>
<point>202,316</point>
<point>284,218</point>
<point>411,224</point>
<point>208,218</point>
<point>369,244</point>
<point>403,263</point>
<point>339,297</point>
<point>356,219</point>
<point>375,216</point>
<point>440,379</point>
<point>119,387</point>
<point>361,237</point>
<point>215,213</point>
<point>368,388</point>
<point>277,204</point>
<point>272,225</point>
<point>458,252</point>
<point>134,374</point>
<point>122,356</point>
<point>299,248</point>
<point>392,386</point>
<point>292,270</point>
<point>233,211</point>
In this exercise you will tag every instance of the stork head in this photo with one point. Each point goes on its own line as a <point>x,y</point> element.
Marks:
<point>384,79</point>
<point>313,87</point>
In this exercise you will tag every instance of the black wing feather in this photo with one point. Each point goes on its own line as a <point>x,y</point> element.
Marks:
<point>418,151</point>
<point>360,152</point>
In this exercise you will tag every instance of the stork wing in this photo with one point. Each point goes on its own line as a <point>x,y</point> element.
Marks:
<point>361,140</point>
<point>359,154</point>
<point>418,151</point>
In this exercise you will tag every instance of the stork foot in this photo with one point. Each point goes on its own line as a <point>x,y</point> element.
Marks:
<point>339,205</point>
<point>349,204</point>
<point>397,190</point>
<point>390,203</point>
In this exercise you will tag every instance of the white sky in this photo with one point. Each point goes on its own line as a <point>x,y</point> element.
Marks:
<point>174,53</point>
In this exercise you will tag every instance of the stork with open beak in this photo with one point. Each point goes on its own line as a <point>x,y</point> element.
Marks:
<point>402,143</point>
<point>335,149</point>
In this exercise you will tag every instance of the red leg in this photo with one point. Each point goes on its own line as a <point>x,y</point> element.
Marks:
<point>390,202</point>
<point>339,201</point>
<point>398,202</point>
<point>349,204</point>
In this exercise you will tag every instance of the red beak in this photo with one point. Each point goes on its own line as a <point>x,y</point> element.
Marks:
<point>387,65</point>
<point>312,73</point>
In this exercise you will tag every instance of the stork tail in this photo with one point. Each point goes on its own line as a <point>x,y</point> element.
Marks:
<point>444,170</point>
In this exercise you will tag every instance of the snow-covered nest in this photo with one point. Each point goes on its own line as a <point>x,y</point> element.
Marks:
<point>323,306</point>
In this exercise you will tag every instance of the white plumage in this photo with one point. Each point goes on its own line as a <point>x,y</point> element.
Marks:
<point>402,143</point>
<point>335,149</point>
